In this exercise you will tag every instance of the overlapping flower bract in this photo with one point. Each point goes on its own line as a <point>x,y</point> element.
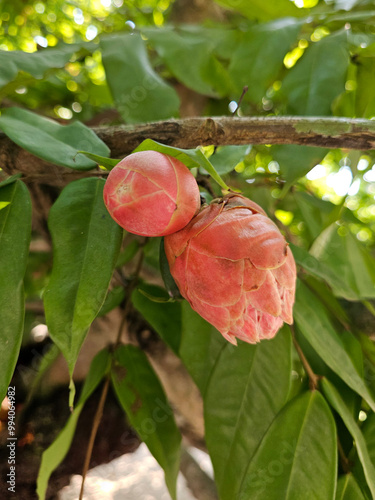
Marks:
<point>235,268</point>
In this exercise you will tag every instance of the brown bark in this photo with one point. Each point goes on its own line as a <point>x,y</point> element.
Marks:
<point>192,132</point>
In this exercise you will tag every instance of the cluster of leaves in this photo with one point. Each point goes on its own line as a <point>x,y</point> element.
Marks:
<point>266,431</point>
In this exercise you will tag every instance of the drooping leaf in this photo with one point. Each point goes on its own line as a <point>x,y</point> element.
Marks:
<point>226,158</point>
<point>36,63</point>
<point>313,83</point>
<point>15,233</point>
<point>258,59</point>
<point>47,139</point>
<point>188,49</point>
<point>56,452</point>
<point>263,10</point>
<point>349,261</point>
<point>295,161</point>
<point>365,91</point>
<point>315,325</point>
<point>142,397</point>
<point>169,282</point>
<point>86,243</point>
<point>102,161</point>
<point>165,317</point>
<point>348,489</point>
<point>297,457</point>
<point>139,93</point>
<point>112,300</point>
<point>200,347</point>
<point>317,268</point>
<point>192,158</point>
<point>336,401</point>
<point>248,386</point>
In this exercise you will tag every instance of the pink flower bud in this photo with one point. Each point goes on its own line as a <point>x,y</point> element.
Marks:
<point>235,268</point>
<point>151,194</point>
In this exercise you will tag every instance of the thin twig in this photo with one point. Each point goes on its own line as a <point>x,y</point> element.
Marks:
<point>94,430</point>
<point>313,378</point>
<point>345,462</point>
<point>244,90</point>
<point>103,396</point>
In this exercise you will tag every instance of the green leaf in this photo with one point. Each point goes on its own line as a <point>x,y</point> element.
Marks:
<point>200,347</point>
<point>169,282</point>
<point>314,82</point>
<point>315,325</point>
<point>10,179</point>
<point>47,139</point>
<point>336,401</point>
<point>226,158</point>
<point>255,380</point>
<point>192,158</point>
<point>128,253</point>
<point>56,452</point>
<point>317,213</point>
<point>348,489</point>
<point>263,42</point>
<point>297,457</point>
<point>86,243</point>
<point>317,268</point>
<point>112,300</point>
<point>187,49</point>
<point>142,397</point>
<point>108,163</point>
<point>36,63</point>
<point>261,10</point>
<point>365,91</point>
<point>295,161</point>
<point>349,262</point>
<point>164,317</point>
<point>139,93</point>
<point>15,233</point>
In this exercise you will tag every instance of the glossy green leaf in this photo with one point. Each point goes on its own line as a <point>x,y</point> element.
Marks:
<point>349,261</point>
<point>263,42</point>
<point>188,49</point>
<point>295,161</point>
<point>365,91</point>
<point>142,397</point>
<point>192,158</point>
<point>102,161</point>
<point>164,317</point>
<point>169,282</point>
<point>348,489</point>
<point>259,9</point>
<point>336,401</point>
<point>255,380</point>
<point>139,93</point>
<point>56,452</point>
<point>314,82</point>
<point>297,457</point>
<point>112,300</point>
<point>47,139</point>
<point>15,233</point>
<point>226,158</point>
<point>36,63</point>
<point>317,268</point>
<point>200,347</point>
<point>315,325</point>
<point>86,243</point>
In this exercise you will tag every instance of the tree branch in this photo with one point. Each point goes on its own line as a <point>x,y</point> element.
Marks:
<point>192,132</point>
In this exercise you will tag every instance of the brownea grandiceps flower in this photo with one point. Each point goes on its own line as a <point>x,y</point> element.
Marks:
<point>235,268</point>
<point>151,194</point>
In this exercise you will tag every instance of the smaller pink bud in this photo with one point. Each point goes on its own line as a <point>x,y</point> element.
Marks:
<point>151,194</point>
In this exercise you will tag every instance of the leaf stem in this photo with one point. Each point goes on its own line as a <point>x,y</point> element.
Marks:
<point>313,378</point>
